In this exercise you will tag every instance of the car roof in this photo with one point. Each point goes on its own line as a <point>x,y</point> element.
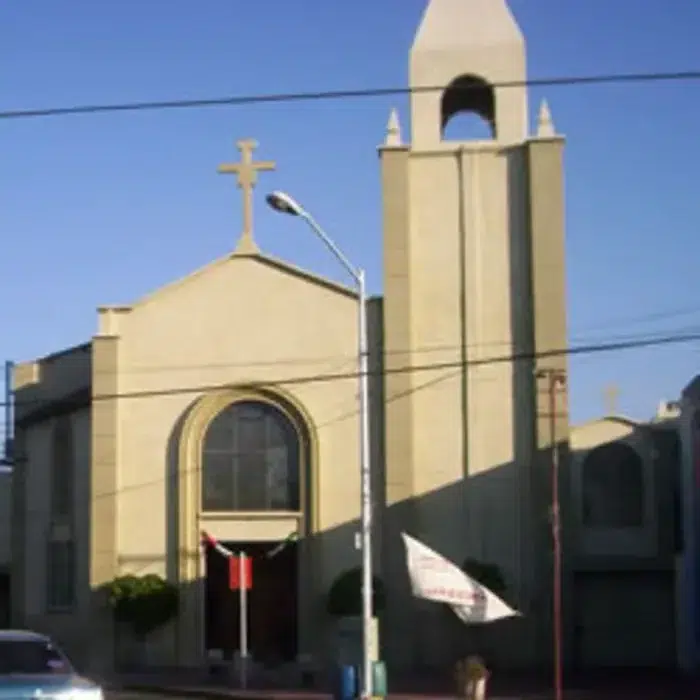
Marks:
<point>22,636</point>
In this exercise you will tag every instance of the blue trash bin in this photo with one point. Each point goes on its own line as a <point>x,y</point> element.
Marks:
<point>346,683</point>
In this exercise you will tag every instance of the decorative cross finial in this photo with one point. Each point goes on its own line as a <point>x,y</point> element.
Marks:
<point>611,394</point>
<point>247,171</point>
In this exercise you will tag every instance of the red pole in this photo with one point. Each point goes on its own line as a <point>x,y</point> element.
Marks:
<point>554,378</point>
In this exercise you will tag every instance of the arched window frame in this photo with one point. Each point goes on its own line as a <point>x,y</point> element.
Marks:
<point>612,457</point>
<point>273,417</point>
<point>620,542</point>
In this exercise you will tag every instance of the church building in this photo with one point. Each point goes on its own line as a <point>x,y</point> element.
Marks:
<point>204,406</point>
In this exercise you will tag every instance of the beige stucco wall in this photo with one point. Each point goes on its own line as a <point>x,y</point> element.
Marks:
<point>474,241</point>
<point>590,435</point>
<point>465,278</point>
<point>53,377</point>
<point>242,321</point>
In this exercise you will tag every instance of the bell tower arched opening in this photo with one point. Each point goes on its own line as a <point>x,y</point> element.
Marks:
<point>467,59</point>
<point>468,110</point>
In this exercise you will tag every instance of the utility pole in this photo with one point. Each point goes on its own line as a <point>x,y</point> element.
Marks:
<point>556,379</point>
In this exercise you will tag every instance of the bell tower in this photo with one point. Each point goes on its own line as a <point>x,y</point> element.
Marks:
<point>468,56</point>
<point>474,296</point>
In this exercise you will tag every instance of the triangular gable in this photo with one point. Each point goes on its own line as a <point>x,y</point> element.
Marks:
<point>601,430</point>
<point>266,260</point>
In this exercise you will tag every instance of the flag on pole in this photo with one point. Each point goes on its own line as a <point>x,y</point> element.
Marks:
<point>437,579</point>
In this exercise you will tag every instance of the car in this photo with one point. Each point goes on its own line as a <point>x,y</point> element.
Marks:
<point>32,666</point>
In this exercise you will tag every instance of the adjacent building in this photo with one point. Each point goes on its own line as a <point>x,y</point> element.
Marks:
<point>625,536</point>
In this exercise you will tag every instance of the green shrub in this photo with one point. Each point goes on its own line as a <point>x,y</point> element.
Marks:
<point>145,603</point>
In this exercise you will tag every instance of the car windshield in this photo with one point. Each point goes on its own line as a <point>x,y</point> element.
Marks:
<point>31,656</point>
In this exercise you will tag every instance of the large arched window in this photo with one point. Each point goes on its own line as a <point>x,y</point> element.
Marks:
<point>250,460</point>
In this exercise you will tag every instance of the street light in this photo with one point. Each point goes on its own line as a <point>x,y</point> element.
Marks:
<point>282,202</point>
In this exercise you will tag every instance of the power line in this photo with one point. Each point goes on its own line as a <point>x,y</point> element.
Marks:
<point>660,315</point>
<point>596,348</point>
<point>241,100</point>
<point>346,414</point>
<point>506,345</point>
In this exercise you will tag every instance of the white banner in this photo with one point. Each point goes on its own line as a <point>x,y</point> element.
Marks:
<point>435,578</point>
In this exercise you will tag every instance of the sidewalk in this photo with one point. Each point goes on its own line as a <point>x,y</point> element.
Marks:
<point>635,686</point>
<point>177,687</point>
<point>219,691</point>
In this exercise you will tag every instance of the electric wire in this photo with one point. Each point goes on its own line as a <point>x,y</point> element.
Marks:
<point>326,95</point>
<point>387,400</point>
<point>597,348</point>
<point>505,345</point>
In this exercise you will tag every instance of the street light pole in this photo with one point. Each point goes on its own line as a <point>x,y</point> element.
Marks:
<point>366,492</point>
<point>282,202</point>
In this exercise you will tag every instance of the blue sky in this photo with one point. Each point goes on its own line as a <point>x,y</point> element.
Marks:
<point>102,209</point>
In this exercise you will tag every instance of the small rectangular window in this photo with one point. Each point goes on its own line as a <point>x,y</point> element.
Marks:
<point>60,575</point>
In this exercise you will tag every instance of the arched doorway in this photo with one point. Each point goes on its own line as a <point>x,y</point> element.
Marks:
<point>253,462</point>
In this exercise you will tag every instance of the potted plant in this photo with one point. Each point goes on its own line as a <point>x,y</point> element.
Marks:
<point>142,604</point>
<point>344,605</point>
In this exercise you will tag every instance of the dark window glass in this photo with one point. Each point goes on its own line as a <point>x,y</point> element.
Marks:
<point>218,481</point>
<point>250,460</point>
<point>61,575</point>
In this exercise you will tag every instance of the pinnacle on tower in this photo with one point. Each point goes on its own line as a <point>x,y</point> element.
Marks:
<point>545,125</point>
<point>393,130</point>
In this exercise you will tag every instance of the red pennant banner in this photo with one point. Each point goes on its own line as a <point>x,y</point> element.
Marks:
<point>234,573</point>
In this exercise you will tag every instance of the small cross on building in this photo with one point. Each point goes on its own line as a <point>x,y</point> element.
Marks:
<point>247,171</point>
<point>611,394</point>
